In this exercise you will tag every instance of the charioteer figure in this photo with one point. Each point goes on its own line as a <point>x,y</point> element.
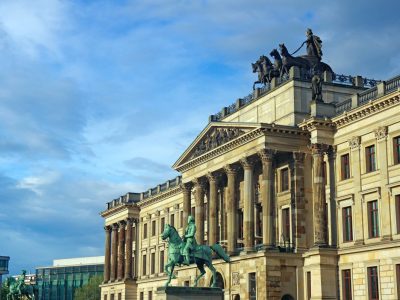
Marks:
<point>189,239</point>
<point>314,44</point>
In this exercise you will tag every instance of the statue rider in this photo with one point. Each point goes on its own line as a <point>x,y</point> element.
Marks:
<point>314,44</point>
<point>189,239</point>
<point>21,281</point>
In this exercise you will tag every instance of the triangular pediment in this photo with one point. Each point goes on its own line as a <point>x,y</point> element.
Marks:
<point>215,135</point>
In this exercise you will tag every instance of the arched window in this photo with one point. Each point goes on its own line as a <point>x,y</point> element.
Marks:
<point>287,297</point>
<point>220,281</point>
<point>236,297</point>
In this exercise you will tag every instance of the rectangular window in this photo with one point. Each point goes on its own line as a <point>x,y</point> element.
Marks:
<point>373,223</point>
<point>186,283</point>
<point>193,211</point>
<point>144,264</point>
<point>150,295</point>
<point>105,297</point>
<point>286,225</point>
<point>119,296</point>
<point>181,219</point>
<point>162,261</point>
<point>112,296</point>
<point>145,231</point>
<point>397,204</point>
<point>396,150</point>
<point>153,263</point>
<point>284,179</point>
<point>259,218</point>
<point>308,285</point>
<point>162,224</point>
<point>240,227</point>
<point>172,220</point>
<point>347,224</point>
<point>153,228</point>
<point>373,286</point>
<point>141,296</point>
<point>252,286</point>
<point>346,285</point>
<point>370,158</point>
<point>345,166</point>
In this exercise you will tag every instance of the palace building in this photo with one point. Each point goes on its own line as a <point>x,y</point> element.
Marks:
<point>299,182</point>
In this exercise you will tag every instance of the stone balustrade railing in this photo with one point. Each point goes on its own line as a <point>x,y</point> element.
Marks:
<point>382,88</point>
<point>136,197</point>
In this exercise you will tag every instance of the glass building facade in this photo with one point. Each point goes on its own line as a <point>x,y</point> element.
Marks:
<point>60,282</point>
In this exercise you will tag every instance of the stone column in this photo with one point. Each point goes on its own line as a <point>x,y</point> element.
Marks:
<point>248,204</point>
<point>298,207</point>
<point>107,255</point>
<point>231,206</point>
<point>128,247</point>
<point>332,195</point>
<point>212,206</point>
<point>355,143</point>
<point>121,250</point>
<point>382,165</point>
<point>199,214</point>
<point>267,199</point>
<point>136,272</point>
<point>187,192</point>
<point>320,237</point>
<point>114,249</point>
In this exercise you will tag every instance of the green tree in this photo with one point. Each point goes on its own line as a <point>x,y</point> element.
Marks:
<point>91,291</point>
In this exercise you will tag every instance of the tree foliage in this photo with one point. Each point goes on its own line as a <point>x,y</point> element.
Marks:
<point>91,291</point>
<point>4,290</point>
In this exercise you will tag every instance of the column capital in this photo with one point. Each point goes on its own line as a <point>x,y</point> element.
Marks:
<point>298,157</point>
<point>212,177</point>
<point>381,133</point>
<point>318,149</point>
<point>122,223</point>
<point>107,228</point>
<point>332,152</point>
<point>266,155</point>
<point>199,182</point>
<point>115,227</point>
<point>355,142</point>
<point>247,163</point>
<point>129,221</point>
<point>186,186</point>
<point>230,170</point>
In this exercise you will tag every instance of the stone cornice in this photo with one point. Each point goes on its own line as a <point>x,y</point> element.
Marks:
<point>118,208</point>
<point>158,197</point>
<point>366,110</point>
<point>317,123</point>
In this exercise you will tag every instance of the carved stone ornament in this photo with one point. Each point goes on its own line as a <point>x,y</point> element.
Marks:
<point>216,138</point>
<point>235,278</point>
<point>229,169</point>
<point>298,157</point>
<point>246,162</point>
<point>266,155</point>
<point>354,142</point>
<point>381,133</point>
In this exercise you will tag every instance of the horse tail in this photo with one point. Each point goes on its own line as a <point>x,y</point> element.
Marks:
<point>220,252</point>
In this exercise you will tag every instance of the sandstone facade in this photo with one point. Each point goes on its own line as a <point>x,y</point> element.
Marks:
<point>304,196</point>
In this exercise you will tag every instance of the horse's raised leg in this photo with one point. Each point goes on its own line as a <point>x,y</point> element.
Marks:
<point>200,266</point>
<point>214,274</point>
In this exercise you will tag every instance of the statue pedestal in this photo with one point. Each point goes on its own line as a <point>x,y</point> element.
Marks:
<point>322,109</point>
<point>189,293</point>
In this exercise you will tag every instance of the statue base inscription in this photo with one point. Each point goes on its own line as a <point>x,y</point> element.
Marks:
<point>189,293</point>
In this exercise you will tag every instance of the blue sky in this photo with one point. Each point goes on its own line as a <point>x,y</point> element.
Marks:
<point>99,98</point>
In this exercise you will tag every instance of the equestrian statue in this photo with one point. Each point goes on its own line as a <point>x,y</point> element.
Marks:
<point>18,290</point>
<point>185,250</point>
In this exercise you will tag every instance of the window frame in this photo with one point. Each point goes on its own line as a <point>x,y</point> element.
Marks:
<point>345,166</point>
<point>370,159</point>
<point>373,219</point>
<point>370,277</point>
<point>347,292</point>
<point>397,212</point>
<point>396,150</point>
<point>347,221</point>
<point>284,180</point>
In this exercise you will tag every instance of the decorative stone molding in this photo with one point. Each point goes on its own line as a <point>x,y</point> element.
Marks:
<point>186,187</point>
<point>266,155</point>
<point>199,183</point>
<point>318,149</point>
<point>355,142</point>
<point>381,133</point>
<point>176,207</point>
<point>230,170</point>
<point>235,278</point>
<point>216,138</point>
<point>246,162</point>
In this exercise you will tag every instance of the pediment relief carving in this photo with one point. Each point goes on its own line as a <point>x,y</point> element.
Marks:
<point>215,138</point>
